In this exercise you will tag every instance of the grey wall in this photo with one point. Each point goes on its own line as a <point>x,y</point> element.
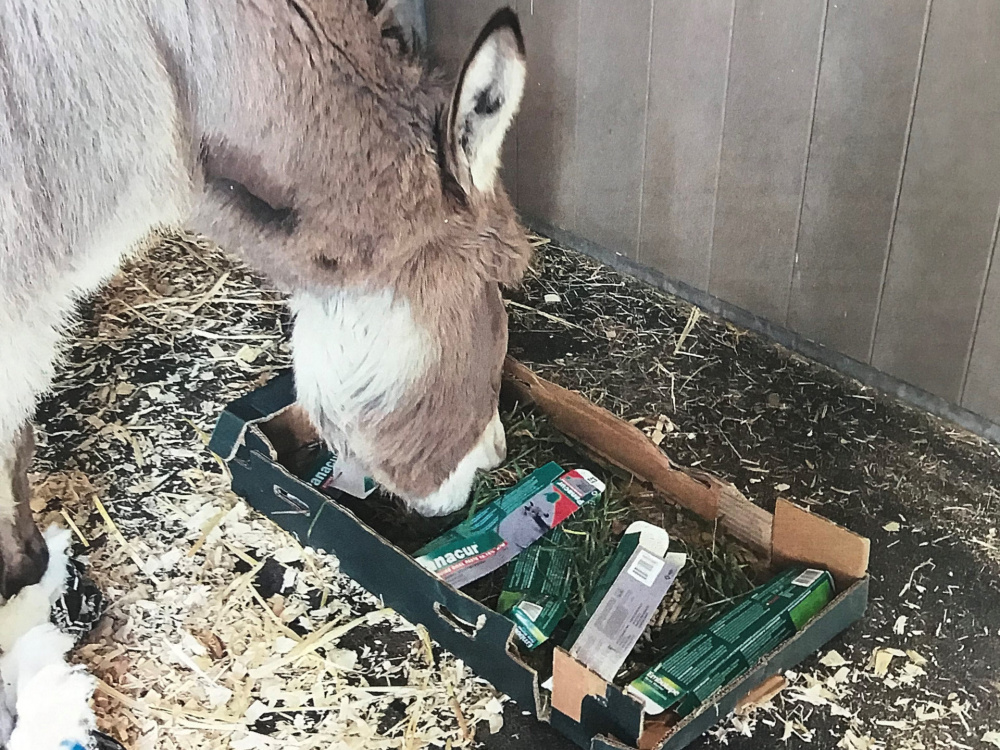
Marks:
<point>832,167</point>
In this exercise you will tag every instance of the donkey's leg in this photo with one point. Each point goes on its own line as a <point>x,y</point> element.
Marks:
<point>23,554</point>
<point>29,340</point>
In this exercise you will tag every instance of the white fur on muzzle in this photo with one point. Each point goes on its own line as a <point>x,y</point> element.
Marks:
<point>488,453</point>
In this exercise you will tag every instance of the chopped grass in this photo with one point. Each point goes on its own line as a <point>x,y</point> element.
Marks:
<point>718,572</point>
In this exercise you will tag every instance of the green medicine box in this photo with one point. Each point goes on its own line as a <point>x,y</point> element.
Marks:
<point>734,642</point>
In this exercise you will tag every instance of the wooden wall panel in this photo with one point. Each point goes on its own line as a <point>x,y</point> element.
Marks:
<point>870,56</point>
<point>547,186</point>
<point>610,120</point>
<point>452,28</point>
<point>687,93</point>
<point>769,104</point>
<point>948,205</point>
<point>772,153</point>
<point>982,386</point>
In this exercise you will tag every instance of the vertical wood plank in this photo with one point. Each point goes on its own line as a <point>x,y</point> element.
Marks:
<point>611,111</point>
<point>772,78</point>
<point>687,88</point>
<point>982,386</point>
<point>546,179</point>
<point>452,28</point>
<point>870,57</point>
<point>948,205</point>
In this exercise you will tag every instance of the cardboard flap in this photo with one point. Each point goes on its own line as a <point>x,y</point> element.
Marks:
<point>799,536</point>
<point>762,694</point>
<point>608,743</point>
<point>571,683</point>
<point>617,442</point>
<point>258,405</point>
<point>747,522</point>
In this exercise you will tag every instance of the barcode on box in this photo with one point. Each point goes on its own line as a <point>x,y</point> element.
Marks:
<point>807,578</point>
<point>646,567</point>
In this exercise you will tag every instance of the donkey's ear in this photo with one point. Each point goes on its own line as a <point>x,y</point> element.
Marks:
<point>486,98</point>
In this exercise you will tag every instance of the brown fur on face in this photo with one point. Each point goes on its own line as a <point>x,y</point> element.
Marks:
<point>378,194</point>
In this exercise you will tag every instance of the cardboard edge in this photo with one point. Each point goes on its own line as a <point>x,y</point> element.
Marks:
<point>747,522</point>
<point>254,425</point>
<point>799,536</point>
<point>617,442</point>
<point>766,691</point>
<point>231,427</point>
<point>846,609</point>
<point>571,683</point>
<point>579,692</point>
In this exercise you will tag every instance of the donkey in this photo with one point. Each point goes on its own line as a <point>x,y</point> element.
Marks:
<point>294,133</point>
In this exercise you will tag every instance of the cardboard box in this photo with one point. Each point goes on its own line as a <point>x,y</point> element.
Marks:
<point>255,430</point>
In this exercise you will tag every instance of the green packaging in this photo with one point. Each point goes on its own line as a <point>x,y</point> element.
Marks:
<point>537,589</point>
<point>735,642</point>
<point>509,525</point>
<point>624,599</point>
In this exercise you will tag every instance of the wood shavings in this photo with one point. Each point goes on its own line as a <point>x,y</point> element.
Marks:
<point>833,660</point>
<point>248,354</point>
<point>688,328</point>
<point>796,729</point>
<point>902,724</point>
<point>910,583</point>
<point>882,659</point>
<point>191,656</point>
<point>73,527</point>
<point>113,529</point>
<point>852,741</point>
<point>991,738</point>
<point>930,711</point>
<point>817,694</point>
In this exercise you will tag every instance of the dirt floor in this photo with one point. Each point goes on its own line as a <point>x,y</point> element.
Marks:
<point>220,629</point>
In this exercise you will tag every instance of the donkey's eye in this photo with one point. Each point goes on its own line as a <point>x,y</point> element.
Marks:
<point>254,207</point>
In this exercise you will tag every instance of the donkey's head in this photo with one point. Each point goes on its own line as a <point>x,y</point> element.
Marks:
<point>372,193</point>
<point>406,375</point>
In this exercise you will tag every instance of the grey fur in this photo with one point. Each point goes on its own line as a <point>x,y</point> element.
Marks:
<point>287,130</point>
